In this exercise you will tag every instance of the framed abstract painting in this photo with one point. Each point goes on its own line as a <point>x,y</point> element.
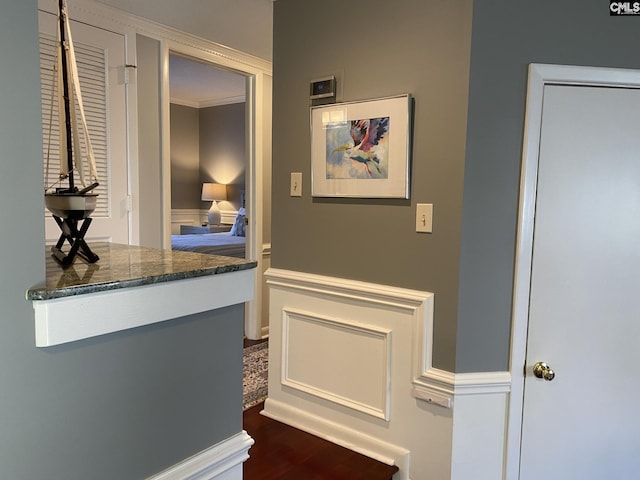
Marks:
<point>361,149</point>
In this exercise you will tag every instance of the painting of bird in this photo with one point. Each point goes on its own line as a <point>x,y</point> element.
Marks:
<point>365,154</point>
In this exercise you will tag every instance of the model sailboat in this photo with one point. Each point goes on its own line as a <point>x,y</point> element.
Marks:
<point>71,205</point>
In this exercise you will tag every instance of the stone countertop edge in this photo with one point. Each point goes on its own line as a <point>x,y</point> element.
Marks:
<point>126,266</point>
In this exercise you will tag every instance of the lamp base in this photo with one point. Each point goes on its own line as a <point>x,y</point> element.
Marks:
<point>213,215</point>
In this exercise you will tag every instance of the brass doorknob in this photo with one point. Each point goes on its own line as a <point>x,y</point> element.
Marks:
<point>542,370</point>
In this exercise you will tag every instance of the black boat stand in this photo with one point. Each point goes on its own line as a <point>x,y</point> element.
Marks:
<point>75,237</point>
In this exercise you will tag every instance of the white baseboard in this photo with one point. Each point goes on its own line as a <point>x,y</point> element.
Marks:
<point>219,462</point>
<point>339,434</point>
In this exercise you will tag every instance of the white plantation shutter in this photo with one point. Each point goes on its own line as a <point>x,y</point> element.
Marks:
<point>92,71</point>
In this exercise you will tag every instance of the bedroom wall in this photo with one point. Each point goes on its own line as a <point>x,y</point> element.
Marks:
<point>414,47</point>
<point>207,145</point>
<point>185,157</point>
<point>121,406</point>
<point>222,150</point>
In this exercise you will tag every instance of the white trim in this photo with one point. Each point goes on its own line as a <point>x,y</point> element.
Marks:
<point>339,434</point>
<point>539,76</point>
<point>253,199</point>
<point>68,319</point>
<point>403,298</point>
<point>208,103</point>
<point>222,461</point>
<point>440,387</point>
<point>478,437</point>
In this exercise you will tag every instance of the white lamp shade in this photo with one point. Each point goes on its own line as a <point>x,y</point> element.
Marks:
<point>214,191</point>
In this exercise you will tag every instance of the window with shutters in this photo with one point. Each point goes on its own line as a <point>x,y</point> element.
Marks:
<point>92,71</point>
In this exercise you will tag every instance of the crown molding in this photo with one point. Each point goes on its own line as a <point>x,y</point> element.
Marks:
<point>209,103</point>
<point>118,21</point>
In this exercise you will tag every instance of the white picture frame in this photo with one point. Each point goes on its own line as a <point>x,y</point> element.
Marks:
<point>361,149</point>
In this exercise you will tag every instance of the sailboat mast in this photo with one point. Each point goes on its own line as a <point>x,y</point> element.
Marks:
<point>65,84</point>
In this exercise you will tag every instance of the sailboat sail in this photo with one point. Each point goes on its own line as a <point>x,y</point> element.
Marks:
<point>71,204</point>
<point>92,63</point>
<point>73,131</point>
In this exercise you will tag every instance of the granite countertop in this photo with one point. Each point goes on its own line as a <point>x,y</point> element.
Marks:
<point>125,266</point>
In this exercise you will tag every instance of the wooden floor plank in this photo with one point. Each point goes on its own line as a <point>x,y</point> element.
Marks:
<point>282,452</point>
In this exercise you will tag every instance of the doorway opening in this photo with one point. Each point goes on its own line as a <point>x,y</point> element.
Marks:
<point>257,111</point>
<point>207,141</point>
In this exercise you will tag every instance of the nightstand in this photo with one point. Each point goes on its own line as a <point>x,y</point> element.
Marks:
<point>196,229</point>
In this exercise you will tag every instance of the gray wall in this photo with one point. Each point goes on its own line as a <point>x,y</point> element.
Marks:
<point>507,36</point>
<point>423,48</point>
<point>122,406</point>
<point>407,46</point>
<point>207,145</point>
<point>222,149</point>
<point>185,157</point>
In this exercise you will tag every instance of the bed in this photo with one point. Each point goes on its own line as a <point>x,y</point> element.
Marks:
<point>211,243</point>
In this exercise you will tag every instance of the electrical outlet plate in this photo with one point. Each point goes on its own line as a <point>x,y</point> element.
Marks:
<point>424,217</point>
<point>296,184</point>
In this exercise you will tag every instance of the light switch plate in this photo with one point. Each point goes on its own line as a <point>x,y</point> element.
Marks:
<point>424,217</point>
<point>296,184</point>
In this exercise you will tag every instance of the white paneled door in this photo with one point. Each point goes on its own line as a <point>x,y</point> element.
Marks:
<point>581,419</point>
<point>101,62</point>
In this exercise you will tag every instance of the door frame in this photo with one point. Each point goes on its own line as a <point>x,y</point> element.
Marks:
<point>539,76</point>
<point>258,109</point>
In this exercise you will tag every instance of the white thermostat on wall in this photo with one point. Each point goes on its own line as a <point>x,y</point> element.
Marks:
<point>323,88</point>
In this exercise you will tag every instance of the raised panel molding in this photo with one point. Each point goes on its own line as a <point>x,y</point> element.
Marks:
<point>370,329</point>
<point>356,376</point>
<point>430,384</point>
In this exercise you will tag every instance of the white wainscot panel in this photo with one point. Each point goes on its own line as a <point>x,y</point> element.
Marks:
<point>338,360</point>
<point>337,347</point>
<point>341,358</point>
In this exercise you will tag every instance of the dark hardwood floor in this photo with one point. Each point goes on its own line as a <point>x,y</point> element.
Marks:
<point>250,343</point>
<point>281,452</point>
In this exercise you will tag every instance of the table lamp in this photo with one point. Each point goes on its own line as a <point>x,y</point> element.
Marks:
<point>213,192</point>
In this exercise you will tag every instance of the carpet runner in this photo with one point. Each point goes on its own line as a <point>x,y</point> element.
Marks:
<point>254,374</point>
